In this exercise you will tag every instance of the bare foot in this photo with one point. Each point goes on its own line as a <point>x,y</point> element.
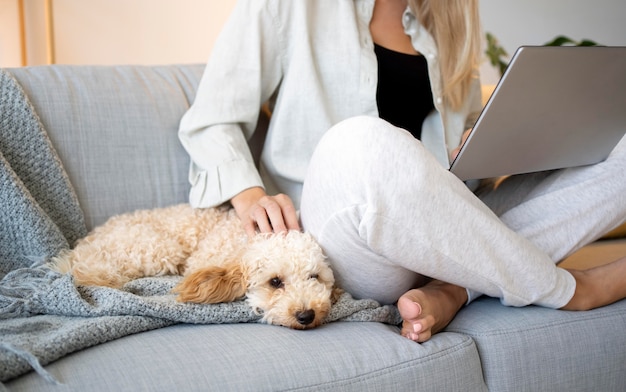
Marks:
<point>598,286</point>
<point>429,309</point>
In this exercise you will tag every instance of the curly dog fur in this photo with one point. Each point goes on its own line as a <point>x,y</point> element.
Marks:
<point>284,277</point>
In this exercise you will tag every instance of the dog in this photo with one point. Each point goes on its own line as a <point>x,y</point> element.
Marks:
<point>283,276</point>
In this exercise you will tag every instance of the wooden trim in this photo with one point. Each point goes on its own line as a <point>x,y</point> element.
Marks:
<point>50,49</point>
<point>22,28</point>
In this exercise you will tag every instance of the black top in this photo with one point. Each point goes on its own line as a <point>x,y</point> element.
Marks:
<point>404,96</point>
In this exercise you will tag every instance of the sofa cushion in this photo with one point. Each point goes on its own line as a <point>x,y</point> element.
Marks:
<point>539,349</point>
<point>115,130</point>
<point>346,356</point>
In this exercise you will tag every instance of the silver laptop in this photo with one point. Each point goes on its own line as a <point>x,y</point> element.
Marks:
<point>554,107</point>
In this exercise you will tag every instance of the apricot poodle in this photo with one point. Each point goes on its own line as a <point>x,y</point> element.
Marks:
<point>284,277</point>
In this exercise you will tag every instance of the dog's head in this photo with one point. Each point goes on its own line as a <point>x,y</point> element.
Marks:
<point>289,281</point>
<point>284,277</point>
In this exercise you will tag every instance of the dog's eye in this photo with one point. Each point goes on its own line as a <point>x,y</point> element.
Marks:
<point>277,283</point>
<point>314,276</point>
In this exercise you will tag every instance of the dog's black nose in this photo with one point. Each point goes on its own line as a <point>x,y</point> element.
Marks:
<point>305,317</point>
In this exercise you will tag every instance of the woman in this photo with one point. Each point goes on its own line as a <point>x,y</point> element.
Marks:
<point>395,224</point>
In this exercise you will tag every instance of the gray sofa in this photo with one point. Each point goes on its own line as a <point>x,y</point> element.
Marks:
<point>114,129</point>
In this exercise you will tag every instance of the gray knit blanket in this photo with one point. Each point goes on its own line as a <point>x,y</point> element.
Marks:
<point>43,315</point>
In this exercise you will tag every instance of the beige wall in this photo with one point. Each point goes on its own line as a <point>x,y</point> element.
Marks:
<point>183,31</point>
<point>10,53</point>
<point>114,31</point>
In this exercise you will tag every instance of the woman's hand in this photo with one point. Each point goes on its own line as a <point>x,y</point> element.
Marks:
<point>262,213</point>
<point>456,151</point>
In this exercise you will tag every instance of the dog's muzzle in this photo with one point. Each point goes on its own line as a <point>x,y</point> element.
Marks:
<point>305,317</point>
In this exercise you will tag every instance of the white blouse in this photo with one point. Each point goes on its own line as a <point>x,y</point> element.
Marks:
<point>314,62</point>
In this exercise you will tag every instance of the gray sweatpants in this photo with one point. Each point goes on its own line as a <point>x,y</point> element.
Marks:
<point>389,216</point>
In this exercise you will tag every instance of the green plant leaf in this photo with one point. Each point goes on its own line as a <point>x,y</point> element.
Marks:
<point>588,42</point>
<point>563,40</point>
<point>560,41</point>
<point>496,53</point>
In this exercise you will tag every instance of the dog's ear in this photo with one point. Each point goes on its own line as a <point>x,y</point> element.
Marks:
<point>212,285</point>
<point>335,294</point>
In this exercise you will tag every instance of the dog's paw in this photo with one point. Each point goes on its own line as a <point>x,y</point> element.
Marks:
<point>212,285</point>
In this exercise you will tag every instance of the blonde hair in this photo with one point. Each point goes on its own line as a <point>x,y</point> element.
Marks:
<point>455,26</point>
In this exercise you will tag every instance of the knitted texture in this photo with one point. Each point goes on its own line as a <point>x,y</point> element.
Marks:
<point>47,317</point>
<point>39,211</point>
<point>43,315</point>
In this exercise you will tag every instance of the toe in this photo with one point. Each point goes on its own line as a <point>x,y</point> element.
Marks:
<point>411,313</point>
<point>408,308</point>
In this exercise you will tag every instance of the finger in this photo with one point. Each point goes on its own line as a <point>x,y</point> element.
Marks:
<point>465,135</point>
<point>455,153</point>
<point>250,227</point>
<point>276,219</point>
<point>260,218</point>
<point>289,213</point>
<point>291,219</point>
<point>271,216</point>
